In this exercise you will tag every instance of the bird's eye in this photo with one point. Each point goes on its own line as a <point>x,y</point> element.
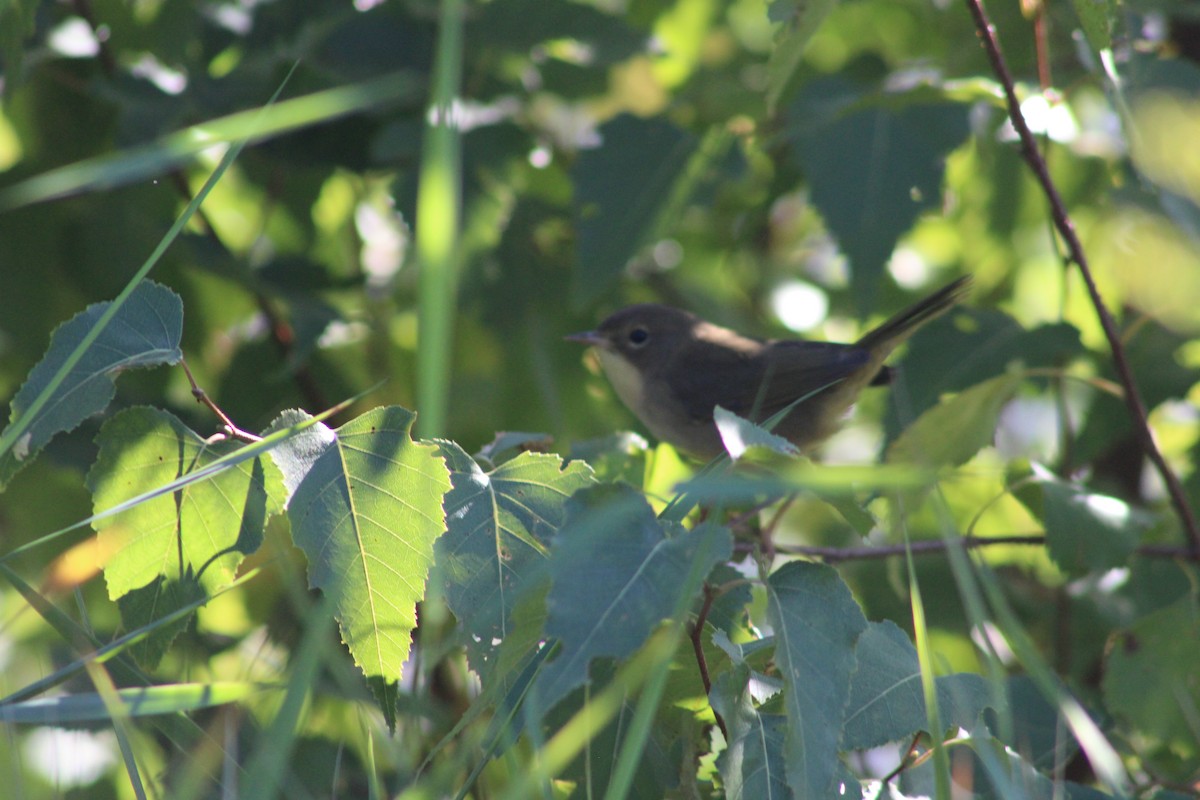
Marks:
<point>639,336</point>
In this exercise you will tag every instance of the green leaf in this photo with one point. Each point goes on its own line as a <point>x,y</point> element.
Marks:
<point>953,431</point>
<point>366,515</point>
<point>752,764</point>
<point>201,532</point>
<point>144,332</point>
<point>886,702</point>
<point>499,526</point>
<point>801,19</point>
<point>1151,682</point>
<point>816,624</point>
<point>178,547</point>
<point>1036,725</point>
<point>142,607</point>
<point>616,214</point>
<point>739,435</point>
<point>959,350</point>
<point>616,574</point>
<point>1085,532</point>
<point>1096,17</point>
<point>873,166</point>
<point>617,457</point>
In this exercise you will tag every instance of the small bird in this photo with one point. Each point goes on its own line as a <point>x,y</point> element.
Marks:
<point>672,368</point>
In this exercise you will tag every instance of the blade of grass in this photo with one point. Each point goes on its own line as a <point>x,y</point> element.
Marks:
<point>583,727</point>
<point>266,767</point>
<point>138,702</point>
<point>176,149</point>
<point>437,224</point>
<point>118,714</point>
<point>110,650</point>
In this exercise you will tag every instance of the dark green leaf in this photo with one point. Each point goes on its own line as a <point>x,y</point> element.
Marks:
<point>499,526</point>
<point>621,189</point>
<point>144,332</point>
<point>886,700</point>
<point>816,624</point>
<point>616,575</point>
<point>872,168</point>
<point>1085,532</point>
<point>1151,683</point>
<point>752,765</point>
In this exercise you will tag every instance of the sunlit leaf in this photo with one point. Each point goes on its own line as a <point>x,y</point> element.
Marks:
<point>953,431</point>
<point>201,532</point>
<point>366,514</point>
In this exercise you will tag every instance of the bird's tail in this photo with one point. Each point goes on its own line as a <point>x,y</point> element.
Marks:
<point>889,335</point>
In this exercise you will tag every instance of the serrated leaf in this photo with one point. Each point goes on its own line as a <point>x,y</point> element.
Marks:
<point>960,350</point>
<point>147,604</point>
<point>144,332</point>
<point>886,701</point>
<point>817,624</point>
<point>201,532</point>
<point>953,431</point>
<point>366,515</point>
<point>1085,532</point>
<point>752,764</point>
<point>800,19</point>
<point>499,526</point>
<point>615,215</point>
<point>615,576</point>
<point>1151,682</point>
<point>874,163</point>
<point>1096,18</point>
<point>297,455</point>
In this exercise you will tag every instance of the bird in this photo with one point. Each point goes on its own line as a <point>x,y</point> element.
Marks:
<point>672,369</point>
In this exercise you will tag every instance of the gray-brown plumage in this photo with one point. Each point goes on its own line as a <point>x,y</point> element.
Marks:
<point>671,369</point>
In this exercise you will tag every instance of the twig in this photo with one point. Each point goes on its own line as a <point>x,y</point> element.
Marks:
<point>697,630</point>
<point>904,762</point>
<point>1066,229</point>
<point>203,398</point>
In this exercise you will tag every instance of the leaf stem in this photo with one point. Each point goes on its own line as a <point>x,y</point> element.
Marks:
<point>695,631</point>
<point>203,398</point>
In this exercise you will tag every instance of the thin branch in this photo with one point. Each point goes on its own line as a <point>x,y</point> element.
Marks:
<point>203,398</point>
<point>905,762</point>
<point>1066,229</point>
<point>697,630</point>
<point>833,555</point>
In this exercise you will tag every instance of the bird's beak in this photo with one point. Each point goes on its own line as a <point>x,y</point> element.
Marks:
<point>589,338</point>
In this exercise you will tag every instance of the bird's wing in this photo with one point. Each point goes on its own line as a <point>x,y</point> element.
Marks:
<point>742,383</point>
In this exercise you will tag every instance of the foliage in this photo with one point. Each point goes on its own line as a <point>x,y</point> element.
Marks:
<point>356,234</point>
